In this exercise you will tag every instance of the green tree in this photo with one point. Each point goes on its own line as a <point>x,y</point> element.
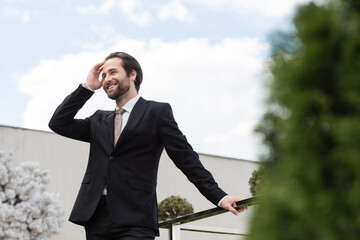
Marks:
<point>174,206</point>
<point>312,128</point>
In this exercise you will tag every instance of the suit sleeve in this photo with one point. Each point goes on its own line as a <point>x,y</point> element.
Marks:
<point>182,154</point>
<point>63,120</point>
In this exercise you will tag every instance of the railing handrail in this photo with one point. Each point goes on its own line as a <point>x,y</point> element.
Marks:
<point>206,213</point>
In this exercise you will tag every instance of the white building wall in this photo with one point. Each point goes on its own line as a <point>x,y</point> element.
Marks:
<point>67,159</point>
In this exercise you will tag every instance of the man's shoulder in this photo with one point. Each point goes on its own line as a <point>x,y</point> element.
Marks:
<point>154,103</point>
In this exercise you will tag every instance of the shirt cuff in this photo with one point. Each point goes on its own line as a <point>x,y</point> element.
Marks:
<point>87,87</point>
<point>221,200</point>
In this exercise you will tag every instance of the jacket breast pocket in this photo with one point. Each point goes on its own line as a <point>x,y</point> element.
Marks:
<point>87,178</point>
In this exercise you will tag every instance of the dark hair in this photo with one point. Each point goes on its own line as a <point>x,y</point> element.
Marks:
<point>129,63</point>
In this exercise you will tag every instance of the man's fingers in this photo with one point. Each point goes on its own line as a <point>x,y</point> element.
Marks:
<point>233,210</point>
<point>237,209</point>
<point>99,65</point>
<point>97,68</point>
<point>241,208</point>
<point>99,71</point>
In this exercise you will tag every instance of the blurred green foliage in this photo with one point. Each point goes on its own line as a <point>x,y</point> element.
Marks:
<point>311,187</point>
<point>256,180</point>
<point>173,207</point>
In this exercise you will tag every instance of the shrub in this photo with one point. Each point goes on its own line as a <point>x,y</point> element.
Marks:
<point>27,210</point>
<point>173,207</point>
<point>256,180</point>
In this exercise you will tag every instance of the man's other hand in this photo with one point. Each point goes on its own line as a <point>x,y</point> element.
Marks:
<point>229,203</point>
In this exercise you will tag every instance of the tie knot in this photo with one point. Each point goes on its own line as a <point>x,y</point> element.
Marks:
<point>120,111</point>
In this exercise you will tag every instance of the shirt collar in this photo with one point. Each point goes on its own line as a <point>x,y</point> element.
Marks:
<point>130,104</point>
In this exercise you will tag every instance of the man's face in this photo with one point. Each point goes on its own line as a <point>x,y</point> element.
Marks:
<point>115,81</point>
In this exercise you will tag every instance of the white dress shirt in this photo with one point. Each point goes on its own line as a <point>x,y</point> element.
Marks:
<point>128,107</point>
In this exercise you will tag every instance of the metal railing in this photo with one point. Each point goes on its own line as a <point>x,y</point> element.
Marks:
<point>175,225</point>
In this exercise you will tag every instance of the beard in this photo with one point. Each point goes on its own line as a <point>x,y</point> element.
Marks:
<point>120,90</point>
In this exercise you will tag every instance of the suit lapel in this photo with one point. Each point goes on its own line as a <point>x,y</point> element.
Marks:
<point>134,119</point>
<point>109,126</point>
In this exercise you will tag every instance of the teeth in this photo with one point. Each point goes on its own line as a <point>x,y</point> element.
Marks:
<point>111,86</point>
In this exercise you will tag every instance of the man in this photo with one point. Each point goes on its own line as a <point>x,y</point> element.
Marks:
<point>117,198</point>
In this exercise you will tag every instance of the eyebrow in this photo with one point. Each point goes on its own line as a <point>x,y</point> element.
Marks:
<point>111,69</point>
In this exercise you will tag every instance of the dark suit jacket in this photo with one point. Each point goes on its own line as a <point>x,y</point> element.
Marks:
<point>130,168</point>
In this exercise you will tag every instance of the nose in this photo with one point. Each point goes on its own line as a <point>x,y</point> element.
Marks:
<point>104,82</point>
<point>106,79</point>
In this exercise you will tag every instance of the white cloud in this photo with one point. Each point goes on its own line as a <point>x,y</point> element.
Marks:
<point>214,89</point>
<point>278,8</point>
<point>175,9</point>
<point>136,12</point>
<point>103,9</point>
<point>133,10</point>
<point>142,13</point>
<point>24,15</point>
<point>262,8</point>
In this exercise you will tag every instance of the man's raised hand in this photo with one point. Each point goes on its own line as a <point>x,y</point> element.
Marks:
<point>92,80</point>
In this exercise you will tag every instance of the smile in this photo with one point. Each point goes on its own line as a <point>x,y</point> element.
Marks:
<point>111,85</point>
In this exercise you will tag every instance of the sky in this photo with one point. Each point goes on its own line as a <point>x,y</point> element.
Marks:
<point>207,58</point>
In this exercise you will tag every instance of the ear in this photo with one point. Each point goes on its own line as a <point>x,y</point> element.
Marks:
<point>133,75</point>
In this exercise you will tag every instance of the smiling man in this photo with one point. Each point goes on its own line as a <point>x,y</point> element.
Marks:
<point>117,198</point>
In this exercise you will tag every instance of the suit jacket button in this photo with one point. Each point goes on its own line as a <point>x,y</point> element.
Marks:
<point>111,158</point>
